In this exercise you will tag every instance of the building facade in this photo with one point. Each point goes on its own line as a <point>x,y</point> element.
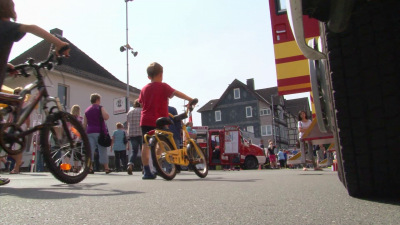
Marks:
<point>251,110</point>
<point>73,82</point>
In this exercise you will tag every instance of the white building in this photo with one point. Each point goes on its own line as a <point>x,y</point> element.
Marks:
<point>74,82</point>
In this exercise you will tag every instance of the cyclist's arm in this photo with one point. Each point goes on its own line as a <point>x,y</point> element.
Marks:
<point>182,96</point>
<point>33,29</point>
<point>112,143</point>
<point>105,114</point>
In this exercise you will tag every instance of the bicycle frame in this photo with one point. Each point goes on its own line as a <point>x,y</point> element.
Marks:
<point>176,156</point>
<point>19,118</point>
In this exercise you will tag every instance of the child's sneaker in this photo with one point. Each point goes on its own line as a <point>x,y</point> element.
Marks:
<point>149,177</point>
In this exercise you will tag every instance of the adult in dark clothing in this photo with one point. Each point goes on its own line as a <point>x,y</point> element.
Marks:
<point>176,129</point>
<point>271,155</point>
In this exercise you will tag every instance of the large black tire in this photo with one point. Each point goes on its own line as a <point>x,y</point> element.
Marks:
<point>52,148</point>
<point>159,162</point>
<point>251,163</point>
<point>200,169</point>
<point>365,62</point>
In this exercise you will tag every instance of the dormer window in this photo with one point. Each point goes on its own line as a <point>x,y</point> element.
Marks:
<point>236,93</point>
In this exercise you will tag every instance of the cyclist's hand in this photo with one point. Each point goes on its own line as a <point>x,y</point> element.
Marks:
<point>10,69</point>
<point>60,46</point>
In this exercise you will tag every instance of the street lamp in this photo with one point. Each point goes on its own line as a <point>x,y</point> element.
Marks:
<point>127,48</point>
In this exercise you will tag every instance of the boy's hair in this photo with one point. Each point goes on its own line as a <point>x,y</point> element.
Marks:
<point>17,90</point>
<point>136,103</point>
<point>119,125</point>
<point>7,10</point>
<point>188,123</point>
<point>94,97</point>
<point>154,69</point>
<point>75,110</point>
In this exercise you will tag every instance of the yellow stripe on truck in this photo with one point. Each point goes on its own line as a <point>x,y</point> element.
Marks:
<point>288,49</point>
<point>292,69</point>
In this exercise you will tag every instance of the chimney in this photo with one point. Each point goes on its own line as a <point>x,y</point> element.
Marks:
<point>56,32</point>
<point>250,83</point>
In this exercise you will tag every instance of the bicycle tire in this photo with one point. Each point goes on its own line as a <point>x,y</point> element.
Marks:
<point>192,153</point>
<point>46,137</point>
<point>161,172</point>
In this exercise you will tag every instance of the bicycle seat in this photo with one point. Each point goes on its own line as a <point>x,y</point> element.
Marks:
<point>162,122</point>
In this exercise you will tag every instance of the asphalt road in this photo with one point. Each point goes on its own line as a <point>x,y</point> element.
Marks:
<point>223,197</point>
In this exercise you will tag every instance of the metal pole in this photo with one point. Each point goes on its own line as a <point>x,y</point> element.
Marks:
<point>273,119</point>
<point>128,105</point>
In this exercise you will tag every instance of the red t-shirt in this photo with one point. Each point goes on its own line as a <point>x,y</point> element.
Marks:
<point>154,99</point>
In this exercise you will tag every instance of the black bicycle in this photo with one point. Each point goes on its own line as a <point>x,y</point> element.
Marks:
<point>63,141</point>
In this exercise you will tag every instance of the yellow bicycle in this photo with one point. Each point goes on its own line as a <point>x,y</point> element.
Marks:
<point>165,153</point>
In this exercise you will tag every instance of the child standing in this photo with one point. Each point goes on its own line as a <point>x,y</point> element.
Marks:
<point>154,100</point>
<point>11,32</point>
<point>119,147</point>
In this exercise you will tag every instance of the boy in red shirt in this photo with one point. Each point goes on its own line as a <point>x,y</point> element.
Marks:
<point>154,100</point>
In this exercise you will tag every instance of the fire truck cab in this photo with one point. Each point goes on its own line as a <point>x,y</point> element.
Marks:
<point>228,147</point>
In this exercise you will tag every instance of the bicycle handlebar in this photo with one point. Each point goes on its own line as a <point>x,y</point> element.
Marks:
<point>192,103</point>
<point>46,63</point>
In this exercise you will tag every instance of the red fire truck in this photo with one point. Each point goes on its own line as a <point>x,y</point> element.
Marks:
<point>228,147</point>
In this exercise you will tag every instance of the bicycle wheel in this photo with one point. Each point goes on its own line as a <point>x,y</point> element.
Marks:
<point>165,169</point>
<point>198,160</point>
<point>65,148</point>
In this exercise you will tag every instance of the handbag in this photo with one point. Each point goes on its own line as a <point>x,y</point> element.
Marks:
<point>125,139</point>
<point>103,139</point>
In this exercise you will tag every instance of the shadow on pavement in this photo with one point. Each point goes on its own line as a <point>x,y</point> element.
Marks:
<point>306,174</point>
<point>218,179</point>
<point>384,200</point>
<point>64,191</point>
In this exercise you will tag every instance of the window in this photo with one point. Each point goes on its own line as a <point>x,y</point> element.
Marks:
<point>266,130</point>
<point>280,114</point>
<point>250,129</point>
<point>265,111</point>
<point>249,112</point>
<point>281,6</point>
<point>63,94</point>
<point>236,93</point>
<point>217,115</point>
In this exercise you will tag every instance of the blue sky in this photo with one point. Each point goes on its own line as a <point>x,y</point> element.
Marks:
<point>203,45</point>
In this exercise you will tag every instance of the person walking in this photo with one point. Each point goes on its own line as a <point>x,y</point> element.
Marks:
<point>271,155</point>
<point>92,125</point>
<point>281,158</point>
<point>134,133</point>
<point>119,146</point>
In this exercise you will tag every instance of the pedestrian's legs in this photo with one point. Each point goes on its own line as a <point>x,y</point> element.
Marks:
<point>123,159</point>
<point>103,157</point>
<point>93,143</point>
<point>96,160</point>
<point>116,160</point>
<point>136,143</point>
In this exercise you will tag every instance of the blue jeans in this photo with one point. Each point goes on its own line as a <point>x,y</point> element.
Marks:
<point>39,162</point>
<point>93,137</point>
<point>136,143</point>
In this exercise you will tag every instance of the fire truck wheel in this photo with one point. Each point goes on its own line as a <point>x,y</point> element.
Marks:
<point>251,163</point>
<point>364,65</point>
